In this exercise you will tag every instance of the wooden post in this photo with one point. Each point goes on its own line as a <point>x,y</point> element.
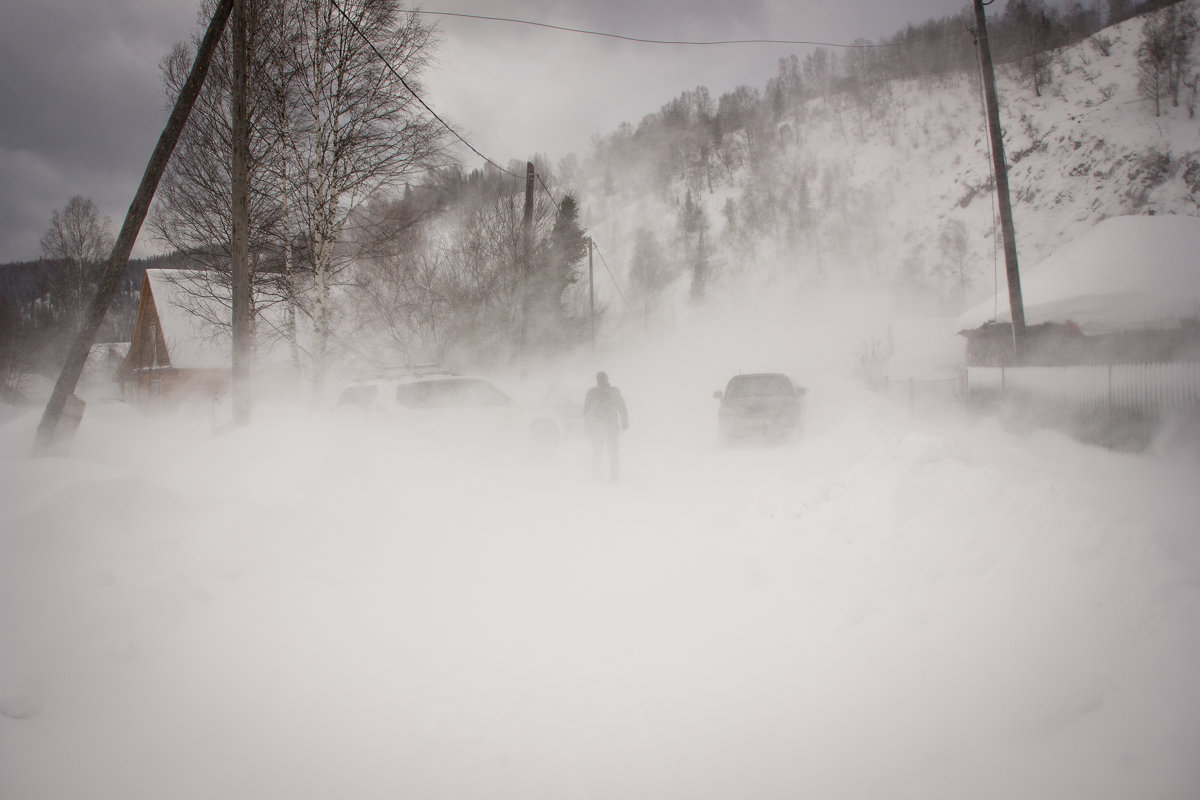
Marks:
<point>1000,167</point>
<point>527,255</point>
<point>240,213</point>
<point>68,379</point>
<point>591,295</point>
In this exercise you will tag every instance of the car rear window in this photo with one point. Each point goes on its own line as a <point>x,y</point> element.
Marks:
<point>755,385</point>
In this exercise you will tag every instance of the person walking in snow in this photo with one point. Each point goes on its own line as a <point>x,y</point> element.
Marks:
<point>605,415</point>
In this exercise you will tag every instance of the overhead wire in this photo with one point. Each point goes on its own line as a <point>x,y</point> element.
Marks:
<point>610,274</point>
<point>586,32</point>
<point>594,245</point>
<point>644,40</point>
<point>623,37</point>
<point>459,136</point>
<point>413,92</point>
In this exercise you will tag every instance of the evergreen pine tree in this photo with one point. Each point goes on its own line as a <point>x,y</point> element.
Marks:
<point>558,269</point>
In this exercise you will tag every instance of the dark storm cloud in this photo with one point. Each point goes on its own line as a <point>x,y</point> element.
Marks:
<point>81,103</point>
<point>82,107</point>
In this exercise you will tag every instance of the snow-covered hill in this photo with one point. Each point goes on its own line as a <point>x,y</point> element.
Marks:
<point>887,194</point>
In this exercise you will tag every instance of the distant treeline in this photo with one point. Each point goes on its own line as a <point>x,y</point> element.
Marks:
<point>24,282</point>
<point>940,46</point>
<point>35,325</point>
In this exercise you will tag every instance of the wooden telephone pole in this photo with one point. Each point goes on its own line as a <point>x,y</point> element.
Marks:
<point>239,245</point>
<point>591,296</point>
<point>526,256</point>
<point>48,433</point>
<point>1000,168</point>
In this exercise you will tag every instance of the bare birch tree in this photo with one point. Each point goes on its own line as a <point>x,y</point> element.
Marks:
<point>332,123</point>
<point>192,213</point>
<point>77,241</point>
<point>1164,54</point>
<point>1032,30</point>
<point>356,128</point>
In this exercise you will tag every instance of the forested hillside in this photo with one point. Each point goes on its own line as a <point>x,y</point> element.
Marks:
<point>872,180</point>
<point>35,325</point>
<point>864,169</point>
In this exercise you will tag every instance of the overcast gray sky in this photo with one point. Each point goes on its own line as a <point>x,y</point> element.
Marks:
<point>81,103</point>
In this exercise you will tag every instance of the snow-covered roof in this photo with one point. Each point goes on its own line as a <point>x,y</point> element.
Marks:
<point>194,312</point>
<point>1125,273</point>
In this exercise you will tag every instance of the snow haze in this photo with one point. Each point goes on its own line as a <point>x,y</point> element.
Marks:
<point>897,603</point>
<point>909,599</point>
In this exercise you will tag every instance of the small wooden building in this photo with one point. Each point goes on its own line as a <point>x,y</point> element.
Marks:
<point>181,344</point>
<point>168,357</point>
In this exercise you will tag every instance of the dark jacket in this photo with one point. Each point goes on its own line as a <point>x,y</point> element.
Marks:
<point>604,411</point>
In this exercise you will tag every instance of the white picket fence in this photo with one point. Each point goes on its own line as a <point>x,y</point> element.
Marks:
<point>1142,386</point>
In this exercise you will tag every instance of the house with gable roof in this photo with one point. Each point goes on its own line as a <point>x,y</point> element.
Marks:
<point>181,345</point>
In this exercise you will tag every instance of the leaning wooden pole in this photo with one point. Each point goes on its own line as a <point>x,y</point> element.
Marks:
<point>68,379</point>
<point>239,246</point>
<point>1000,167</point>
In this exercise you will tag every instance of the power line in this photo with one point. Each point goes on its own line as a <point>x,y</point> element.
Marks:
<point>459,136</point>
<point>416,96</point>
<point>639,39</point>
<point>550,194</point>
<point>558,207</point>
<point>610,274</point>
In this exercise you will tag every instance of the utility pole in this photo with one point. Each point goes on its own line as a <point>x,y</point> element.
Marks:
<point>527,255</point>
<point>591,295</point>
<point>48,433</point>
<point>1000,168</point>
<point>240,211</point>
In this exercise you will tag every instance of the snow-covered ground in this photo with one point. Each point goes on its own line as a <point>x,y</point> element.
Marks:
<point>324,606</point>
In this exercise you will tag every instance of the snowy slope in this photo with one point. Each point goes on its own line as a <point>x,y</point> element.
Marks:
<point>885,188</point>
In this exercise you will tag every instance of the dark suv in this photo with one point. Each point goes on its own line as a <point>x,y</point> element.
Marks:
<point>763,405</point>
